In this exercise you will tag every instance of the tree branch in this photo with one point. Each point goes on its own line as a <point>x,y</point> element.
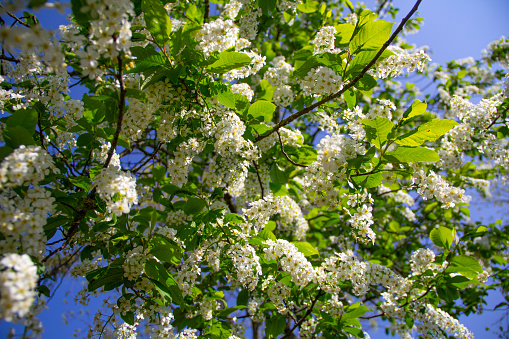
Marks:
<point>121,107</point>
<point>331,97</point>
<point>286,155</point>
<point>308,312</point>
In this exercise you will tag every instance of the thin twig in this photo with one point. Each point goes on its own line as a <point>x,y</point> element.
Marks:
<point>6,58</point>
<point>352,83</point>
<point>259,178</point>
<point>15,17</point>
<point>286,155</point>
<point>121,106</point>
<point>309,311</point>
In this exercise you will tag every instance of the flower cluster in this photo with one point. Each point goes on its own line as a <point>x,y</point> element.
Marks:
<point>249,24</point>
<point>247,264</point>
<point>321,81</point>
<point>433,321</point>
<point>292,261</point>
<point>422,260</point>
<point>480,115</point>
<point>229,137</point>
<point>243,89</point>
<point>179,166</point>
<point>18,279</point>
<point>283,96</point>
<point>217,35</point>
<point>26,165</point>
<point>117,188</point>
<point>110,34</point>
<point>324,41</point>
<point>134,264</point>
<point>279,75</point>
<point>433,185</point>
<point>395,64</point>
<point>278,292</point>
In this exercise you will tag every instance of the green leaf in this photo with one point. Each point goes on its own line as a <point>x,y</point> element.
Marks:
<point>369,181</point>
<point>377,130</point>
<point>355,311</point>
<point>44,290</point>
<point>345,32</point>
<point>158,173</point>
<point>195,14</point>
<point>278,190</point>
<point>460,281</point>
<point>277,176</point>
<point>447,293</point>
<point>164,249</point>
<point>16,136</point>
<point>308,6</point>
<point>243,297</point>
<point>270,226</point>
<point>275,326</point>
<point>466,266</point>
<point>227,99</point>
<point>442,237</point>
<point>350,98</point>
<point>417,108</point>
<point>307,66</point>
<point>266,235</point>
<point>23,118</point>
<point>262,109</point>
<point>412,155</point>
<point>81,182</point>
<point>109,277</point>
<point>241,104</point>
<point>267,6</point>
<point>366,83</point>
<point>430,131</point>
<point>128,317</point>
<point>228,61</point>
<point>371,36</point>
<point>163,281</point>
<point>5,151</point>
<point>362,59</point>
<point>219,330</point>
<point>157,20</point>
<point>306,248</point>
<point>194,206</point>
<point>304,154</point>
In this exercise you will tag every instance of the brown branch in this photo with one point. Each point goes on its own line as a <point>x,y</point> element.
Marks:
<point>6,58</point>
<point>121,107</point>
<point>352,83</point>
<point>207,10</point>
<point>15,17</point>
<point>259,178</point>
<point>286,155</point>
<point>308,312</point>
<point>151,156</point>
<point>229,201</point>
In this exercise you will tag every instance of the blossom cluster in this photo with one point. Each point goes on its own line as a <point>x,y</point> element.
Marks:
<point>396,63</point>
<point>291,260</point>
<point>218,35</point>
<point>118,188</point>
<point>324,40</point>
<point>27,165</point>
<point>18,279</point>
<point>433,185</point>
<point>321,81</point>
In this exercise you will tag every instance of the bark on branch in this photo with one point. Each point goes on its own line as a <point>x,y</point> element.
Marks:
<point>352,83</point>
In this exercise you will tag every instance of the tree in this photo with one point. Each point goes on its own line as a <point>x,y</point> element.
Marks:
<point>247,164</point>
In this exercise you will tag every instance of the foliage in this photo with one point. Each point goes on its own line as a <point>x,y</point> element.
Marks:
<point>247,164</point>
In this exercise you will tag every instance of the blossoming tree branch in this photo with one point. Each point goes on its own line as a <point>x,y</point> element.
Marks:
<point>245,168</point>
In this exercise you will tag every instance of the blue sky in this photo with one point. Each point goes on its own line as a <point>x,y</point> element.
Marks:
<point>452,29</point>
